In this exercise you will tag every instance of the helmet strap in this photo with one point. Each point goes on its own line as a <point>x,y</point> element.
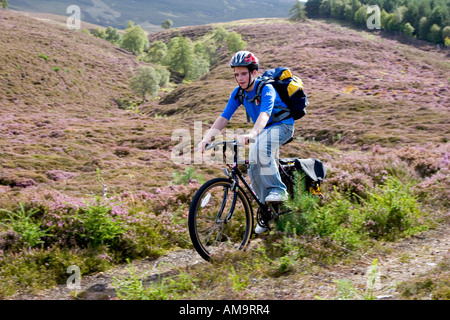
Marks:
<point>249,79</point>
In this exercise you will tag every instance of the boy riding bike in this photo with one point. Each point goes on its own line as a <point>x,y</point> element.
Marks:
<point>267,133</point>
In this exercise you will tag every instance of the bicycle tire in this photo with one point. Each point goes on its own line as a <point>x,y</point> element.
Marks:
<point>210,234</point>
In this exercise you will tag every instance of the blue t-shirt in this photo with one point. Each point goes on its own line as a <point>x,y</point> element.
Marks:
<point>269,102</point>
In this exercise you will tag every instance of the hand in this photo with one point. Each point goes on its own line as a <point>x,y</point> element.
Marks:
<point>201,146</point>
<point>245,139</point>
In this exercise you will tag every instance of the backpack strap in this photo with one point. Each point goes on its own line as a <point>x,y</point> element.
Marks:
<point>283,114</point>
<point>259,88</point>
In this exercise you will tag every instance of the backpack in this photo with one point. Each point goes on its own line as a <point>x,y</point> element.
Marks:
<point>314,172</point>
<point>290,90</point>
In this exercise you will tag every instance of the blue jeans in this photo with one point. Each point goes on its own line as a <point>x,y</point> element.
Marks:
<point>264,154</point>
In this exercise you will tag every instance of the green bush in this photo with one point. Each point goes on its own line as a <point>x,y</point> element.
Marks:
<point>98,225</point>
<point>23,223</point>
<point>388,212</point>
<point>391,211</point>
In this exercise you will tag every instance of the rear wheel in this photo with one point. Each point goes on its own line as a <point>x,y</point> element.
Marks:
<point>209,227</point>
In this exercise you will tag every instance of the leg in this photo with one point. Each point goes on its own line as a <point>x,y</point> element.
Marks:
<point>264,153</point>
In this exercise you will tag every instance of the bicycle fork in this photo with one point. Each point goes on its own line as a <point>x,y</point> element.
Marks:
<point>234,188</point>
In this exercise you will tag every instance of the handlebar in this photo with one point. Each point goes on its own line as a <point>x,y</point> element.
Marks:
<point>228,143</point>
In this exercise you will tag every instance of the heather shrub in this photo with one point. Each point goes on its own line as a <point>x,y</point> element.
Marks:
<point>424,161</point>
<point>387,212</point>
<point>46,267</point>
<point>173,197</point>
<point>355,174</point>
<point>186,177</point>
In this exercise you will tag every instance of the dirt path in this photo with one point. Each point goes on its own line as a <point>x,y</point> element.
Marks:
<point>401,261</point>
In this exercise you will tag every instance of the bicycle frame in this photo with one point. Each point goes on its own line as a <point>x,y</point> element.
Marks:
<point>237,175</point>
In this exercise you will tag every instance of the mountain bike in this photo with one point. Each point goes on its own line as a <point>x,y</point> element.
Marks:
<point>221,214</point>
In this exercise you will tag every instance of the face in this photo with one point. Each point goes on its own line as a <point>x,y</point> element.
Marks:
<point>243,76</point>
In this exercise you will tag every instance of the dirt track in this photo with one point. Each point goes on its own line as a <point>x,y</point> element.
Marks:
<point>405,260</point>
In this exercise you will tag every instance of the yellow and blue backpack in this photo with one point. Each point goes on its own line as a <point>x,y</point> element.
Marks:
<point>290,89</point>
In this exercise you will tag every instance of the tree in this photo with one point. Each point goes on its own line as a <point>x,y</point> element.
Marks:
<point>4,4</point>
<point>361,15</point>
<point>447,42</point>
<point>325,9</point>
<point>312,7</point>
<point>167,24</point>
<point>180,54</point>
<point>198,68</point>
<point>164,76</point>
<point>408,29</point>
<point>135,39</point>
<point>350,9</point>
<point>384,17</point>
<point>298,11</point>
<point>220,35</point>
<point>435,34</point>
<point>99,33</point>
<point>446,33</point>
<point>145,81</point>
<point>112,35</point>
<point>337,9</point>
<point>399,14</point>
<point>392,22</point>
<point>235,43</point>
<point>423,28</point>
<point>156,53</point>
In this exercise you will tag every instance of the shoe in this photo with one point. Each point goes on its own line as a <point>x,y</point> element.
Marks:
<point>276,196</point>
<point>259,229</point>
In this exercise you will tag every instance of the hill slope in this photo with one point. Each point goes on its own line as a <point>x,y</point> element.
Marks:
<point>60,114</point>
<point>59,118</point>
<point>365,88</point>
<point>151,13</point>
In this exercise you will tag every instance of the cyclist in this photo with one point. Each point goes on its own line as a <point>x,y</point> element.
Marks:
<point>267,135</point>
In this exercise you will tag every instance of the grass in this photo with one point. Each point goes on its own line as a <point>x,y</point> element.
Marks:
<point>101,232</point>
<point>434,285</point>
<point>316,233</point>
<point>132,286</point>
<point>346,290</point>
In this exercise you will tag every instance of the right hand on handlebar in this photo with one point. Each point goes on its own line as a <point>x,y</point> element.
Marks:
<point>201,147</point>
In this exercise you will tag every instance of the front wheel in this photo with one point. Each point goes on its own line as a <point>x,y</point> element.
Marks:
<point>220,218</point>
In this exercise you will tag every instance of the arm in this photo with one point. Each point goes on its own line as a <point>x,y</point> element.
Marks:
<point>216,128</point>
<point>260,124</point>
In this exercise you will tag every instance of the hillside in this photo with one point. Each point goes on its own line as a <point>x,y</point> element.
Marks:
<point>378,112</point>
<point>363,88</point>
<point>59,114</point>
<point>150,14</point>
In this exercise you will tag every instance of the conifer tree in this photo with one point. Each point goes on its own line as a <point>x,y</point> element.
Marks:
<point>298,11</point>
